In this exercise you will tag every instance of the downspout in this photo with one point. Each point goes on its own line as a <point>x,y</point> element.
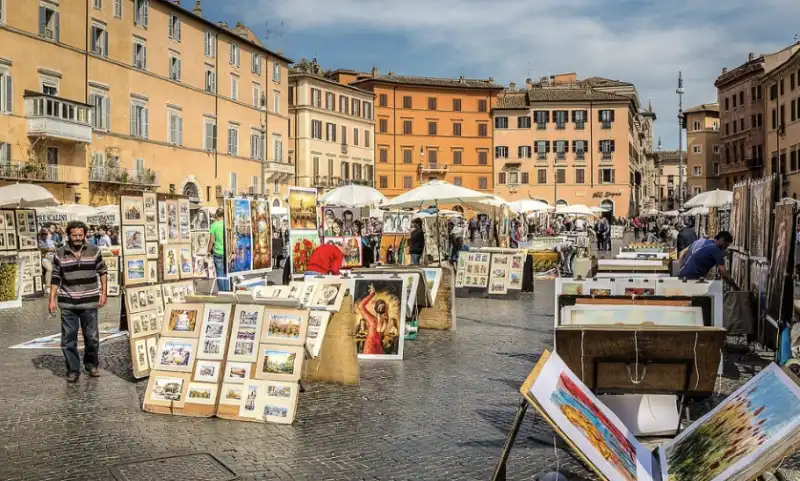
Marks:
<point>394,135</point>
<point>216,108</point>
<point>591,145</point>
<point>86,56</point>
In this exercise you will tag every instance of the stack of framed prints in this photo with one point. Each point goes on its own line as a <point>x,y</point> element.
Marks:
<point>303,228</point>
<point>490,271</point>
<point>31,264</point>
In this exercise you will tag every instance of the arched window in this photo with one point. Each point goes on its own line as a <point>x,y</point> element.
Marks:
<point>191,191</point>
<point>696,125</point>
<point>608,205</point>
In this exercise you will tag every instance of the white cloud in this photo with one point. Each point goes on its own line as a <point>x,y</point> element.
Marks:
<point>640,41</point>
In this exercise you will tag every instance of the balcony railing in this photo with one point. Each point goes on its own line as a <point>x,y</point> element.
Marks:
<point>58,118</point>
<point>273,167</point>
<point>580,156</point>
<point>119,175</point>
<point>561,156</point>
<point>541,156</point>
<point>56,174</point>
<point>755,163</point>
<point>606,156</point>
<point>580,125</point>
<point>323,181</point>
<point>561,125</point>
<point>432,167</point>
<point>541,125</point>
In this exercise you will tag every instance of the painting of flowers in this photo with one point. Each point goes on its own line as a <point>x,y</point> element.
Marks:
<point>302,245</point>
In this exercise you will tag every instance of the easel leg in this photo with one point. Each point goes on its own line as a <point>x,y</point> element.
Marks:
<point>500,470</point>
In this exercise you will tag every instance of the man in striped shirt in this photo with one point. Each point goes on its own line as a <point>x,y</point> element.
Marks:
<point>76,269</point>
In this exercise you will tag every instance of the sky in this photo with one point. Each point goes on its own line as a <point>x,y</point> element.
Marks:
<point>646,42</point>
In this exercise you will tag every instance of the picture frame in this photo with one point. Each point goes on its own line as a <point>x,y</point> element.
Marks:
<point>167,388</point>
<point>135,270</point>
<point>144,324</point>
<point>132,238</point>
<point>186,263</point>
<point>170,268</point>
<point>139,299</point>
<point>380,298</point>
<point>302,208</point>
<point>152,348</point>
<point>176,354</point>
<point>152,270</point>
<point>231,394</point>
<point>162,233</point>
<point>279,362</point>
<point>245,333</point>
<point>329,294</point>
<point>10,222</point>
<point>162,212</point>
<point>149,203</point>
<point>140,359</point>
<point>214,331</point>
<point>132,210</point>
<point>11,240</point>
<point>207,371</point>
<point>285,326</point>
<point>202,393</point>
<point>200,242</point>
<point>182,320</point>
<point>237,372</point>
<point>151,230</point>
<point>278,401</point>
<point>317,326</point>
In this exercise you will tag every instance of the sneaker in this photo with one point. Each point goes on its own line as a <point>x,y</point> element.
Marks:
<point>72,377</point>
<point>93,372</point>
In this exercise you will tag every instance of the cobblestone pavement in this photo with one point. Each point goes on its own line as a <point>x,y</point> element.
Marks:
<point>440,414</point>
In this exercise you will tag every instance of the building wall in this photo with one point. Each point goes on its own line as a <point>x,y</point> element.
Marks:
<point>783,144</point>
<point>668,185</point>
<point>330,153</point>
<point>82,75</point>
<point>703,159</point>
<point>393,175</point>
<point>592,191</point>
<point>741,130</point>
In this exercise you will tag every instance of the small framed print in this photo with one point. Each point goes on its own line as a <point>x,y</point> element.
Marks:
<point>149,202</point>
<point>140,299</point>
<point>285,326</point>
<point>176,354</point>
<point>317,326</point>
<point>3,236</point>
<point>27,288</point>
<point>151,231</point>
<point>143,324</point>
<point>132,237</point>
<point>140,359</point>
<point>167,389</point>
<point>162,211</point>
<point>247,320</point>
<point>22,222</point>
<point>10,224</point>
<point>132,210</point>
<point>152,270</point>
<point>135,270</point>
<point>231,394</point>
<point>112,290</point>
<point>112,263</point>
<point>182,320</point>
<point>498,285</point>
<point>207,371</point>
<point>2,220</point>
<point>237,372</point>
<point>279,363</point>
<point>151,250</point>
<point>214,331</point>
<point>152,347</point>
<point>279,401</point>
<point>170,269</point>
<point>186,262</point>
<point>162,233</point>
<point>329,295</point>
<point>11,238</point>
<point>202,393</point>
<point>37,283</point>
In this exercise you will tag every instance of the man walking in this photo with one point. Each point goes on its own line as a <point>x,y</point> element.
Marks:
<point>76,269</point>
<point>216,249</point>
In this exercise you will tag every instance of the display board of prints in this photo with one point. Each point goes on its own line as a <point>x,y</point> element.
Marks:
<point>380,304</point>
<point>8,231</point>
<point>499,273</point>
<point>397,222</point>
<point>760,216</point>
<point>27,228</point>
<point>351,247</point>
<point>31,265</point>
<point>782,250</point>
<point>340,221</point>
<point>476,269</point>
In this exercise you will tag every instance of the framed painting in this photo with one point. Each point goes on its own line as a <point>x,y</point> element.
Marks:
<point>186,262</point>
<point>152,270</point>
<point>380,304</point>
<point>132,210</point>
<point>317,325</point>
<point>140,360</point>
<point>231,394</point>
<point>301,245</point>
<point>329,294</point>
<point>285,326</point>
<point>262,235</point>
<point>140,299</point>
<point>238,236</point>
<point>200,242</point>
<point>149,202</point>
<point>202,393</point>
<point>200,220</point>
<point>151,249</point>
<point>214,331</point>
<point>182,320</point>
<point>237,372</point>
<point>247,321</point>
<point>782,249</point>
<point>176,354</point>
<point>207,371</point>
<point>133,240</point>
<point>302,209</point>
<point>170,270</point>
<point>135,271</point>
<point>167,389</point>
<point>278,401</point>
<point>279,363</point>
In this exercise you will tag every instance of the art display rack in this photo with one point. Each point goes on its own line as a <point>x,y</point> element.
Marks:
<point>484,291</point>
<point>337,362</point>
<point>19,231</point>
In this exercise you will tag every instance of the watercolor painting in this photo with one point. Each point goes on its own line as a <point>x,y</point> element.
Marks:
<point>302,209</point>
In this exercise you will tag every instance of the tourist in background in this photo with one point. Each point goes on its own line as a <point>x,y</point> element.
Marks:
<point>47,248</point>
<point>102,239</point>
<point>55,236</point>
<point>416,244</point>
<point>686,235</point>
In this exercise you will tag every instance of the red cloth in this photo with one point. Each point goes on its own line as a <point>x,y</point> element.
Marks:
<point>326,259</point>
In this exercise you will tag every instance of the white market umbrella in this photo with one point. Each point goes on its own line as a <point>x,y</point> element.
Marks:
<point>598,210</point>
<point>649,212</point>
<point>575,209</point>
<point>714,198</point>
<point>696,211</point>
<point>671,213</point>
<point>529,205</point>
<point>352,196</point>
<point>435,192</point>
<point>26,195</point>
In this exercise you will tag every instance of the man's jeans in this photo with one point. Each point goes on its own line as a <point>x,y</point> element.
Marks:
<point>71,320</point>
<point>415,258</point>
<point>219,266</point>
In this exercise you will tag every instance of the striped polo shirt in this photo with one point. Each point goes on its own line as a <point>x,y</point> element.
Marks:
<point>76,275</point>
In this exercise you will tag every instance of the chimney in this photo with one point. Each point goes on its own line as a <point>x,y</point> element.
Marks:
<point>750,56</point>
<point>512,86</point>
<point>197,10</point>
<point>375,72</point>
<point>724,70</point>
<point>461,80</point>
<point>529,82</point>
<point>491,80</point>
<point>241,29</point>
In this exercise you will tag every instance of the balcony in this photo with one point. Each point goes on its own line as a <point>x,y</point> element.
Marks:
<point>580,125</point>
<point>606,157</point>
<point>580,157</point>
<point>130,177</point>
<point>561,157</point>
<point>39,173</point>
<point>430,167</point>
<point>344,148</point>
<point>561,125</point>
<point>755,163</point>
<point>606,125</point>
<point>278,171</point>
<point>57,118</point>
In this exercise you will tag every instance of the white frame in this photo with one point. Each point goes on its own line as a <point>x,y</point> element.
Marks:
<point>253,357</point>
<point>266,338</point>
<point>130,251</point>
<point>297,366</point>
<point>314,347</point>
<point>196,376</point>
<point>222,338</point>
<point>159,366</point>
<point>566,314</point>
<point>401,316</point>
<point>212,400</point>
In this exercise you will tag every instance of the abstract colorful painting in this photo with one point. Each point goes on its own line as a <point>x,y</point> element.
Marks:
<point>238,236</point>
<point>727,441</point>
<point>262,234</point>
<point>302,244</point>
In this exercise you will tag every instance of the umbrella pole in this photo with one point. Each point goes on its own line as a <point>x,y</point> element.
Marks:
<point>438,235</point>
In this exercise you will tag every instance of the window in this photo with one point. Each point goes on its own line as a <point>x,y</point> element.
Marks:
<point>523,122</point>
<point>139,54</point>
<point>561,148</point>
<point>141,12</point>
<point>139,120</point>
<point>355,136</point>
<point>383,182</point>
<point>257,147</point>
<point>344,104</point>
<point>741,124</point>
<point>457,180</point>
<point>456,105</point>
<point>716,150</point>
<point>383,100</point>
<point>525,178</point>
<point>330,101</point>
<point>256,95</point>
<point>483,130</point>
<point>174,67</point>
<point>696,171</point>
<point>481,105</point>
<point>457,157</point>
<point>606,176</point>
<point>741,97</point>
<point>541,117</point>
<point>607,147</point>
<point>561,176</point>
<point>580,176</point>
<point>561,117</point>
<point>211,81</point>
<point>118,8</point>
<point>316,97</point>
<point>542,148</point>
<point>174,28</point>
<point>255,64</point>
<point>366,138</point>
<point>356,108</point>
<point>457,129</point>
<point>774,119</point>
<point>344,135</point>
<point>368,110</point>
<point>276,101</point>
<point>406,101</point>
<point>541,176</point>
<point>234,55</point>
<point>5,152</point>
<point>407,127</point>
<point>483,157</point>
<point>697,149</point>
<point>791,82</point>
<point>210,134</point>
<point>101,119</point>
<point>175,135</point>
<point>407,182</point>
<point>233,182</point>
<point>330,132</point>
<point>606,118</point>
<point>383,156</point>
<point>408,155</point>
<point>99,43</point>
<point>432,127</point>
<point>234,87</point>
<point>383,126</point>
<point>696,125</point>
<point>501,151</point>
<point>483,183</point>
<point>501,122</point>
<point>773,92</point>
<point>734,100</point>
<point>277,148</point>
<point>210,45</point>
<point>524,151</point>
<point>433,156</point>
<point>276,72</point>
<point>579,118</point>
<point>579,147</point>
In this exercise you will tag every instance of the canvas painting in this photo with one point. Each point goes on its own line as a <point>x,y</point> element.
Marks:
<point>302,209</point>
<point>202,393</point>
<point>132,210</point>
<point>285,326</point>
<point>167,389</point>
<point>182,320</point>
<point>729,439</point>
<point>433,277</point>
<point>170,268</point>
<point>630,315</point>
<point>328,295</point>
<point>176,354</point>
<point>380,316</point>
<point>317,325</point>
<point>351,246</point>
<point>279,363</point>
<point>262,234</point>
<point>207,371</point>
<point>238,236</point>
<point>339,222</point>
<point>243,345</point>
<point>133,240</point>
<point>593,428</point>
<point>231,395</point>
<point>237,372</point>
<point>302,244</point>
<point>135,272</point>
<point>779,261</point>
<point>214,331</point>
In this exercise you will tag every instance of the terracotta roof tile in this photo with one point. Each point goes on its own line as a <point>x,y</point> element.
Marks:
<point>512,100</point>
<point>572,94</point>
<point>434,82</point>
<point>603,82</point>
<point>703,108</point>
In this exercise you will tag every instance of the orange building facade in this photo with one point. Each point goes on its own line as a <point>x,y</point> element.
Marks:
<point>430,128</point>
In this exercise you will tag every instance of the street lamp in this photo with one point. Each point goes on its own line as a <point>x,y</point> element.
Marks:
<point>679,91</point>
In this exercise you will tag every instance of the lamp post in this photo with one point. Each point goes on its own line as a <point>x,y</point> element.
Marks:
<point>679,91</point>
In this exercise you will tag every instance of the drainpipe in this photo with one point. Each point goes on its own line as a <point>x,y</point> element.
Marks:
<point>86,56</point>
<point>394,135</point>
<point>591,145</point>
<point>216,107</point>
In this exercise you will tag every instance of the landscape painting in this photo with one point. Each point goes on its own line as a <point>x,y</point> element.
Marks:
<point>238,236</point>
<point>302,209</point>
<point>262,234</point>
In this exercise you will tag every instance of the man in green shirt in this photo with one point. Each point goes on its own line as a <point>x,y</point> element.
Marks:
<point>216,248</point>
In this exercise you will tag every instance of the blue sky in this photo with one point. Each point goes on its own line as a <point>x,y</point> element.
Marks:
<point>641,41</point>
